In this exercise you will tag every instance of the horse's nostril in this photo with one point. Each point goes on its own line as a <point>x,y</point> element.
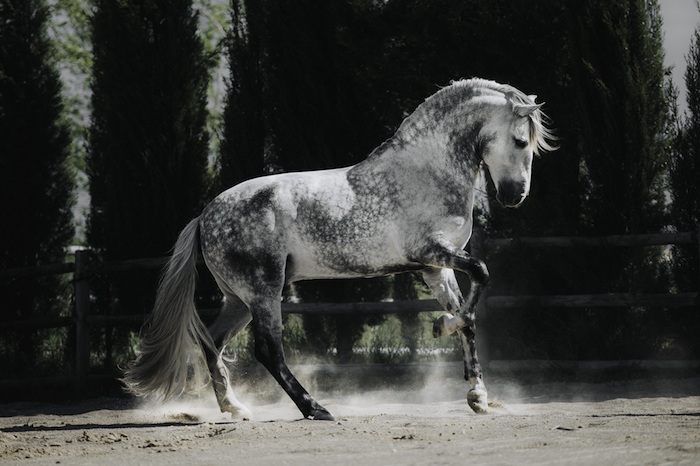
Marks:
<point>510,194</point>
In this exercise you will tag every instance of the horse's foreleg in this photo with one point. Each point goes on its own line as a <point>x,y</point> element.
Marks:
<point>477,396</point>
<point>233,318</point>
<point>446,291</point>
<point>443,284</point>
<point>267,328</point>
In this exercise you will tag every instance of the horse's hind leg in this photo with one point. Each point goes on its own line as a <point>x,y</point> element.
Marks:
<point>267,328</point>
<point>232,318</point>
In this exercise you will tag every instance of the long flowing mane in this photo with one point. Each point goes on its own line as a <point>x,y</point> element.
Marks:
<point>463,90</point>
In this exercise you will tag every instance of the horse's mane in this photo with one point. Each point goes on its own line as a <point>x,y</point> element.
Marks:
<point>540,133</point>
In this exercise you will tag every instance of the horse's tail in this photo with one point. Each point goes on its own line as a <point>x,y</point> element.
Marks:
<point>165,343</point>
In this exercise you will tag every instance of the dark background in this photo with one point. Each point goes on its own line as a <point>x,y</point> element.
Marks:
<point>319,84</point>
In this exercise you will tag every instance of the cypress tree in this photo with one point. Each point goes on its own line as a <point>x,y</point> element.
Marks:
<point>685,165</point>
<point>35,181</point>
<point>148,146</point>
<point>622,109</point>
<point>291,107</point>
<point>620,78</point>
<point>242,150</point>
<point>685,208</point>
<point>610,105</point>
<point>364,65</point>
<point>148,143</point>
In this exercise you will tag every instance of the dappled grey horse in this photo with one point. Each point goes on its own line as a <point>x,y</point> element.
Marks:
<point>407,207</point>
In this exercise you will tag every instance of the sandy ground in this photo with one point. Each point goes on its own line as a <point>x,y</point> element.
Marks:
<point>631,422</point>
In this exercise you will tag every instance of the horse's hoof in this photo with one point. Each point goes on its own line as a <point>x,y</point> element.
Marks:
<point>321,415</point>
<point>478,401</point>
<point>238,411</point>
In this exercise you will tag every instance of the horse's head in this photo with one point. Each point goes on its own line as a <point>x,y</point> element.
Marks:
<point>483,121</point>
<point>511,138</point>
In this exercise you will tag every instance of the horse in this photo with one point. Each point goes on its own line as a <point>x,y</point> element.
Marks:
<point>406,207</point>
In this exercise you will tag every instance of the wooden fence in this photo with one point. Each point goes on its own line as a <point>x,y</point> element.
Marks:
<point>482,245</point>
<point>83,268</point>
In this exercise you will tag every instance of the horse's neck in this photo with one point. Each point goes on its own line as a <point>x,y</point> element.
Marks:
<point>431,150</point>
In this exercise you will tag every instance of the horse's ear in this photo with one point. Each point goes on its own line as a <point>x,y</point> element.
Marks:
<point>523,110</point>
<point>520,109</point>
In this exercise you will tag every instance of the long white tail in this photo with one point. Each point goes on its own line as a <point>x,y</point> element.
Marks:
<point>160,368</point>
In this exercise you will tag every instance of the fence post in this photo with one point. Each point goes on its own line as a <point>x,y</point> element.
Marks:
<point>82,305</point>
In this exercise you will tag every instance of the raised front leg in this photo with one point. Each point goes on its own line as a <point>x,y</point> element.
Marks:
<point>443,284</point>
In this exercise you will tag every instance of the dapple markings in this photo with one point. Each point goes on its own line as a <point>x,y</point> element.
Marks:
<point>407,207</point>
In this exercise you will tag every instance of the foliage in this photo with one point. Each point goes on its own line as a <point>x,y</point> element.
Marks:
<point>334,79</point>
<point>685,165</point>
<point>35,180</point>
<point>148,142</point>
<point>685,189</point>
<point>148,146</point>
<point>291,106</point>
<point>624,164</point>
<point>242,150</point>
<point>617,139</point>
<point>319,84</point>
<point>69,30</point>
<point>212,30</point>
<point>385,342</point>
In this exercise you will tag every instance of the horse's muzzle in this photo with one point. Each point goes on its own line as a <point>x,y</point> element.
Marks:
<point>511,193</point>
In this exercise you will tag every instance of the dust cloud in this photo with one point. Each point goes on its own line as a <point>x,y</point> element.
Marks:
<point>427,390</point>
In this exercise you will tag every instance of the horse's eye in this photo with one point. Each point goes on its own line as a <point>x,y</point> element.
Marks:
<point>521,143</point>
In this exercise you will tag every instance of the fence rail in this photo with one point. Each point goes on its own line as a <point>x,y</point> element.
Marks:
<point>650,239</point>
<point>595,300</point>
<point>606,300</point>
<point>84,268</point>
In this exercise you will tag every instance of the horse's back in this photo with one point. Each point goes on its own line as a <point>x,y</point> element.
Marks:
<point>270,204</point>
<point>318,223</point>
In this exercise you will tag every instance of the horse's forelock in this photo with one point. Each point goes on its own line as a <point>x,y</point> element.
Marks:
<point>541,135</point>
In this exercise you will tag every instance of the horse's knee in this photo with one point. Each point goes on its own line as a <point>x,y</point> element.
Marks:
<point>479,272</point>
